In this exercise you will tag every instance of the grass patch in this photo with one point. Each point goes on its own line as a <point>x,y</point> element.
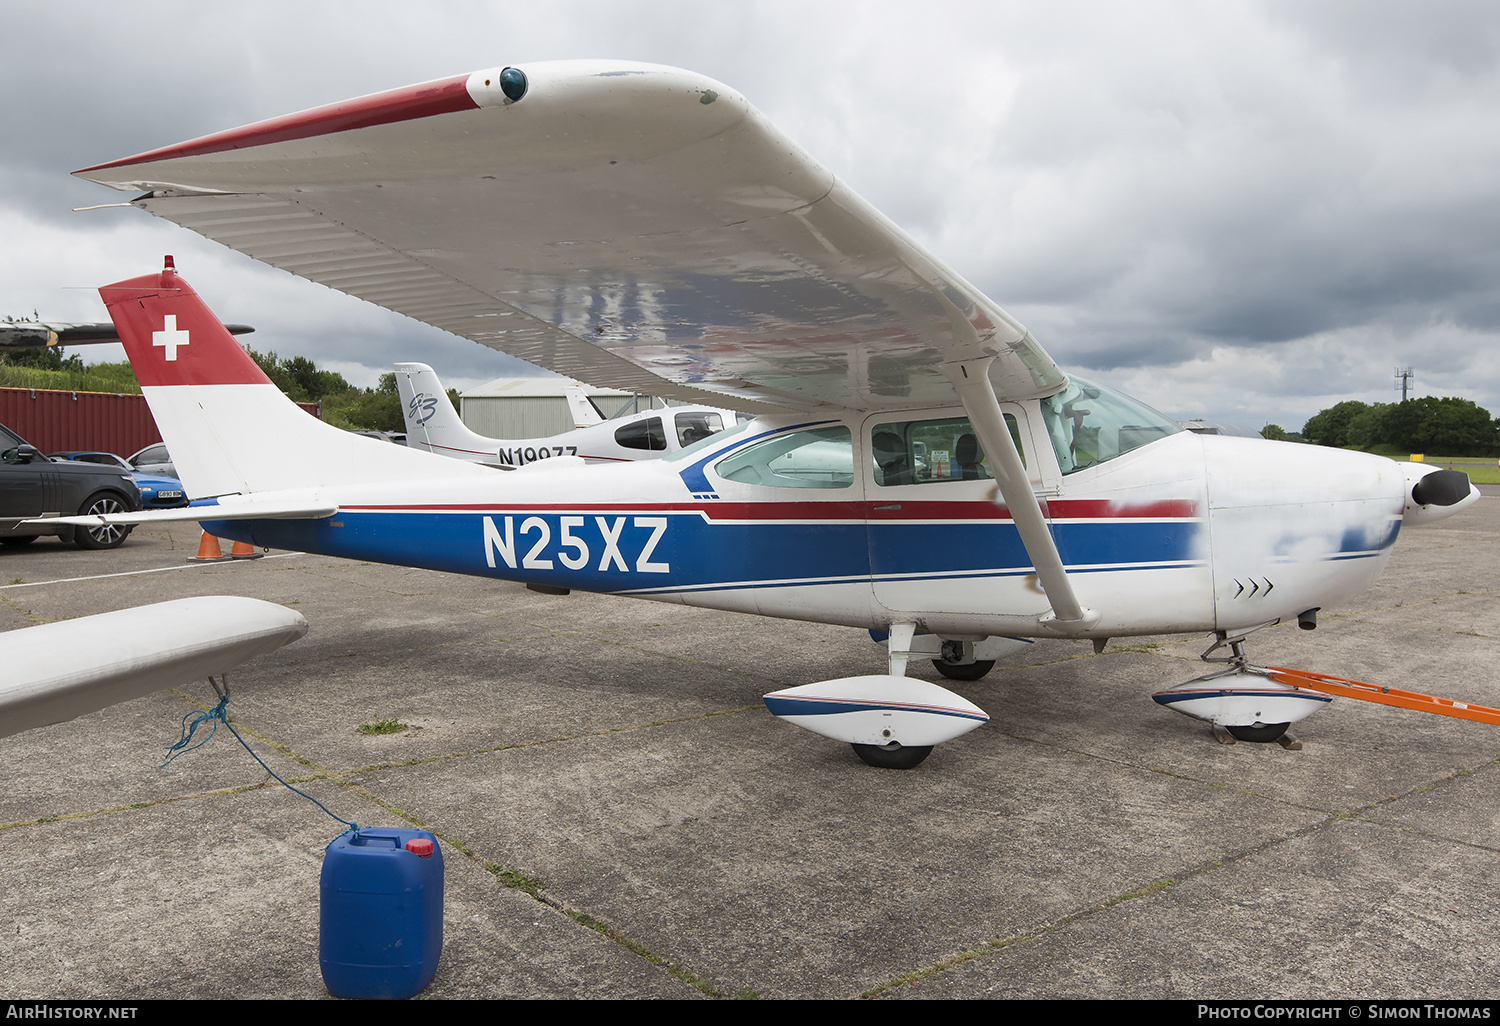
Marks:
<point>1479,473</point>
<point>101,377</point>
<point>391,726</point>
<point>514,880</point>
<point>1481,469</point>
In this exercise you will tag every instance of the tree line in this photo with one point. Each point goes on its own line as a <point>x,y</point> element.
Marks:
<point>1449,426</point>
<point>343,405</point>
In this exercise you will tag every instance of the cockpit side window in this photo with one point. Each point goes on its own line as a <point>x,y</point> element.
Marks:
<point>1089,424</point>
<point>927,451</point>
<point>696,426</point>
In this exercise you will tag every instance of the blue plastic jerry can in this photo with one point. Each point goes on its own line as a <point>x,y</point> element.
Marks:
<point>380,924</point>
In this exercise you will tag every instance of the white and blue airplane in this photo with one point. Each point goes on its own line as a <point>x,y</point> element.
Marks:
<point>433,425</point>
<point>917,464</point>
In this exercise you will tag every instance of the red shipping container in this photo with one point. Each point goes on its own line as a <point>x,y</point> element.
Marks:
<point>55,421</point>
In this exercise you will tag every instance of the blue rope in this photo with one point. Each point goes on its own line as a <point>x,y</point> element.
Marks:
<point>213,717</point>
<point>219,714</point>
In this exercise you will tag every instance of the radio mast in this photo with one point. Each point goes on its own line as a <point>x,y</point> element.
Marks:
<point>1404,377</point>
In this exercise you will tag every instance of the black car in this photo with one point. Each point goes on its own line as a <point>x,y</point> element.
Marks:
<point>31,485</point>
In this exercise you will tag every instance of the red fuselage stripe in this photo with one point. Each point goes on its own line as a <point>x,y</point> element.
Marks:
<point>1078,509</point>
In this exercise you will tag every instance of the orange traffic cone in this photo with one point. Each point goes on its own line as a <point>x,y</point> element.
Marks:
<point>209,550</point>
<point>244,550</point>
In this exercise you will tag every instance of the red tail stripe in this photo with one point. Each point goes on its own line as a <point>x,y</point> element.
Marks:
<point>172,337</point>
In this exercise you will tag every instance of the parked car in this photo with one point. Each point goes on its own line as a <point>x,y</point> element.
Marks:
<point>31,485</point>
<point>158,491</point>
<point>153,459</point>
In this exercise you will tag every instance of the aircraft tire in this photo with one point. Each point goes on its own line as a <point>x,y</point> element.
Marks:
<point>964,671</point>
<point>895,757</point>
<point>108,536</point>
<point>1261,732</point>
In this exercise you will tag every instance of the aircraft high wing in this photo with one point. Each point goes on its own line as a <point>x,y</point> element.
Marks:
<point>618,223</point>
<point>918,465</point>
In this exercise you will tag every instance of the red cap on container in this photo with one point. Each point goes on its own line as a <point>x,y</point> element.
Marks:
<point>419,846</point>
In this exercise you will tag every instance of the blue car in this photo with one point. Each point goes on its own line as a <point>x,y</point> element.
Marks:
<point>158,491</point>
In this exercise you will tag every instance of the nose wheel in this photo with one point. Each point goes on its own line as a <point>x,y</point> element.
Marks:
<point>1260,732</point>
<point>1242,702</point>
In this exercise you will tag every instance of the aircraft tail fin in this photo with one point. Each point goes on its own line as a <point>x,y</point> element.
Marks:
<point>585,413</point>
<point>229,429</point>
<point>432,424</point>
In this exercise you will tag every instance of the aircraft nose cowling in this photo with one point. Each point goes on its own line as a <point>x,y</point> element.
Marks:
<point>1434,494</point>
<point>1296,526</point>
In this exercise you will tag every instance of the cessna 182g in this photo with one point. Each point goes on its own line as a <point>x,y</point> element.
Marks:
<point>917,462</point>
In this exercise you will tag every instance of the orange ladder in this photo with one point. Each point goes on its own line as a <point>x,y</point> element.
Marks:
<point>1346,688</point>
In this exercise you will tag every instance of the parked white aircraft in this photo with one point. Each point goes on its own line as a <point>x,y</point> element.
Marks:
<point>646,228</point>
<point>433,425</point>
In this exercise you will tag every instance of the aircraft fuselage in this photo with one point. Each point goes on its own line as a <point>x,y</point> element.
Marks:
<point>799,518</point>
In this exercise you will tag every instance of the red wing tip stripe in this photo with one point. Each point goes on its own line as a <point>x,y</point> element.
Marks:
<point>408,103</point>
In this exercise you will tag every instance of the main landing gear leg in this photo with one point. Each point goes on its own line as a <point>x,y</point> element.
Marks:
<point>895,755</point>
<point>898,647</point>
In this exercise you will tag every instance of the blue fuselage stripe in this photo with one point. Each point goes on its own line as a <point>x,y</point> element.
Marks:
<point>671,550</point>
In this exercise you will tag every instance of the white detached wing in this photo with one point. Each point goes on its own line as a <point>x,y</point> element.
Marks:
<point>619,223</point>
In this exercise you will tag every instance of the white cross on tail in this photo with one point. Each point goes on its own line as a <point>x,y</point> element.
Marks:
<point>169,337</point>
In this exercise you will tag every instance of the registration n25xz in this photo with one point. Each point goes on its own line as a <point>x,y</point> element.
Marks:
<point>593,543</point>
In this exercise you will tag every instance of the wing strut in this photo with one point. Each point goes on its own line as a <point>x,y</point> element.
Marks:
<point>971,378</point>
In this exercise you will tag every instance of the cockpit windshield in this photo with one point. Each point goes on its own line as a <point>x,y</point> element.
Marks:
<point>1089,424</point>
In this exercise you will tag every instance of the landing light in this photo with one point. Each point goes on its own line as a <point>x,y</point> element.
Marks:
<point>513,83</point>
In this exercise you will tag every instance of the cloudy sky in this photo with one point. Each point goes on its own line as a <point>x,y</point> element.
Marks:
<point>1237,211</point>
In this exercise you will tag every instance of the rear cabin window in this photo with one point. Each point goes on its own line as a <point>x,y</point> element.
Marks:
<point>643,434</point>
<point>817,458</point>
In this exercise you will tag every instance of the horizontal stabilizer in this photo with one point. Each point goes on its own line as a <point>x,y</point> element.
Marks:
<point>60,671</point>
<point>256,507</point>
<point>878,710</point>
